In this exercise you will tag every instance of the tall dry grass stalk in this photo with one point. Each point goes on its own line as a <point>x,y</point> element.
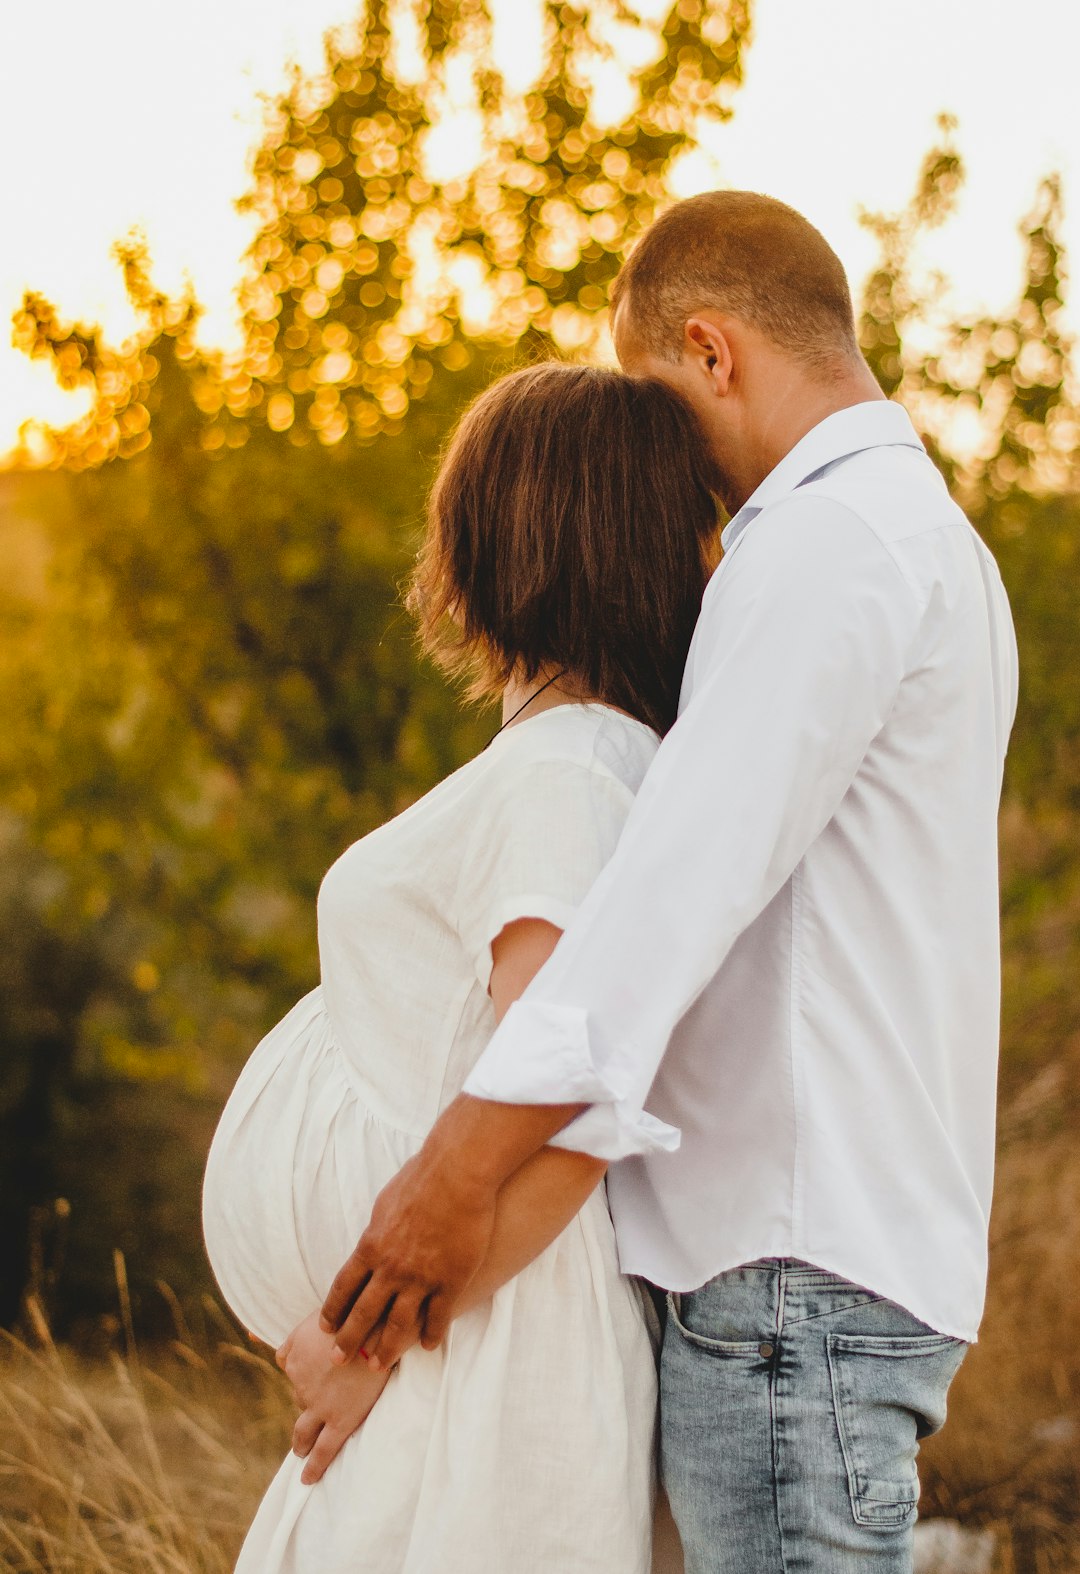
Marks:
<point>132,1466</point>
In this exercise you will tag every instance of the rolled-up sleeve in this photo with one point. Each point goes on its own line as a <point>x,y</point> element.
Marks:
<point>805,637</point>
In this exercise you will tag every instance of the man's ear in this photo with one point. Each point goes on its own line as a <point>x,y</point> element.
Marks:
<point>708,348</point>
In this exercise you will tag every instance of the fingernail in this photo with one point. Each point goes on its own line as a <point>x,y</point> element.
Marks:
<point>338,1356</point>
<point>374,1362</point>
<point>325,1324</point>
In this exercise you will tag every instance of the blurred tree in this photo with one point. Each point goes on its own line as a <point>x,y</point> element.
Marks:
<point>209,687</point>
<point>210,696</point>
<point>412,202</point>
<point>893,297</point>
<point>369,260</point>
<point>994,397</point>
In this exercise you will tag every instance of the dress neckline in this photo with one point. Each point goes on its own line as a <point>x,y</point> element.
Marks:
<point>577,706</point>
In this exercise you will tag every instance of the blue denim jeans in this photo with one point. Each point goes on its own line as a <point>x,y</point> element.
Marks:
<point>792,1404</point>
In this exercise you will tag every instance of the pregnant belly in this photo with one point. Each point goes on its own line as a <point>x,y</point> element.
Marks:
<point>293,1170</point>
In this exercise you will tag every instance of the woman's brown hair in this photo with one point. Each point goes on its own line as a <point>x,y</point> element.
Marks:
<point>571,526</point>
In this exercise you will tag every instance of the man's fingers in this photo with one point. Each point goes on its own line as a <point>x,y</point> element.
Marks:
<point>398,1333</point>
<point>327,1447</point>
<point>369,1309</point>
<point>437,1317</point>
<point>304,1433</point>
<point>349,1282</point>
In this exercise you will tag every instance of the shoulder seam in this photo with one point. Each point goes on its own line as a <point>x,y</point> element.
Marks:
<point>524,770</point>
<point>591,766</point>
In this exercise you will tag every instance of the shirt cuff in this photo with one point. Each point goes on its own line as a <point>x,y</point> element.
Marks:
<point>541,1054</point>
<point>616,1131</point>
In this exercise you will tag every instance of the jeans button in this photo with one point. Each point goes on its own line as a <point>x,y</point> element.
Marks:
<point>766,1351</point>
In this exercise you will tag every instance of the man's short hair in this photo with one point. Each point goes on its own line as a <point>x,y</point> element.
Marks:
<point>748,256</point>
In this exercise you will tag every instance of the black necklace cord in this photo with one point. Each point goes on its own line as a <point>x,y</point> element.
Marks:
<point>520,708</point>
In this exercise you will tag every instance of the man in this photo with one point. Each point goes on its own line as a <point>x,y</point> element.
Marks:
<point>792,958</point>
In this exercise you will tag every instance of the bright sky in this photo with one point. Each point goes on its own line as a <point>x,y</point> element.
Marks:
<point>143,113</point>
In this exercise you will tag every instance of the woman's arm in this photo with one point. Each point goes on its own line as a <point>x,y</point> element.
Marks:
<point>535,1206</point>
<point>540,1199</point>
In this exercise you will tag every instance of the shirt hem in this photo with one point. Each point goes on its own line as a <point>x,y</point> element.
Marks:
<point>952,1329</point>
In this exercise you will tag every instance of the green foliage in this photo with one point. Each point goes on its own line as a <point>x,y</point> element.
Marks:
<point>217,693</point>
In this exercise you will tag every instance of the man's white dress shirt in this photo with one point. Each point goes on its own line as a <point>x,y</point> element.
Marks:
<point>792,960</point>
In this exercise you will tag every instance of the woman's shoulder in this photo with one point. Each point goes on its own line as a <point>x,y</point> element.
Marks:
<point>571,739</point>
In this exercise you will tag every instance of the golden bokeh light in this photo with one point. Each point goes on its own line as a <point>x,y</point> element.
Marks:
<point>808,128</point>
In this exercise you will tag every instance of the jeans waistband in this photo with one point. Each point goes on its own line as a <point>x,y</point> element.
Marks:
<point>790,1267</point>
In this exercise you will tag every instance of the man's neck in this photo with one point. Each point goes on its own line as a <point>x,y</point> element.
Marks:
<point>794,410</point>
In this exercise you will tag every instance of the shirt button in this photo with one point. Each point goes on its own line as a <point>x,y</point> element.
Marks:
<point>765,1351</point>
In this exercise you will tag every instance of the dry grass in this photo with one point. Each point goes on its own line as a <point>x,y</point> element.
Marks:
<point>1009,1457</point>
<point>120,1466</point>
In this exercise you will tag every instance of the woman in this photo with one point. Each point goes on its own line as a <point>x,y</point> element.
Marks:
<point>570,536</point>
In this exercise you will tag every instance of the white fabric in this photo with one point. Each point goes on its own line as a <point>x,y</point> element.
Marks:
<point>526,1442</point>
<point>804,903</point>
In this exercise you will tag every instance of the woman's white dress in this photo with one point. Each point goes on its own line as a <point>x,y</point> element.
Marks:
<point>526,1442</point>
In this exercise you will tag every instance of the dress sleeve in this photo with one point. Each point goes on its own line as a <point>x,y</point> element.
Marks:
<point>545,832</point>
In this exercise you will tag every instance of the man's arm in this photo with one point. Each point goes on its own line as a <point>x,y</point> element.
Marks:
<point>432,1227</point>
<point>805,639</point>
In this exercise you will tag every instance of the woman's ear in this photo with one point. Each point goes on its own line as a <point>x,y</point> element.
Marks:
<point>708,348</point>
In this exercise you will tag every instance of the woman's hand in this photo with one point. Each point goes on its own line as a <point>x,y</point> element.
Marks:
<point>305,1358</point>
<point>334,1400</point>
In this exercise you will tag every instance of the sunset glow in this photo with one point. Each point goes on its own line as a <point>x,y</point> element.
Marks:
<point>142,115</point>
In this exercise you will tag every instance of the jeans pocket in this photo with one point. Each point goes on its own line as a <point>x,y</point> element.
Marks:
<point>889,1392</point>
<point>681,1316</point>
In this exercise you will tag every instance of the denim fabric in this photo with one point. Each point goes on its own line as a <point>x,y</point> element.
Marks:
<point>792,1404</point>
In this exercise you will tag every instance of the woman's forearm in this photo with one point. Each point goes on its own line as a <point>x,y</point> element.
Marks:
<point>535,1206</point>
<point>544,1193</point>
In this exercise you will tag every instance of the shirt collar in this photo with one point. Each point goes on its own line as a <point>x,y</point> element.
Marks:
<point>876,423</point>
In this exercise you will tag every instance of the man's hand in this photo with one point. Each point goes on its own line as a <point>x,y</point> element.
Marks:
<point>334,1401</point>
<point>428,1235</point>
<point>431,1228</point>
